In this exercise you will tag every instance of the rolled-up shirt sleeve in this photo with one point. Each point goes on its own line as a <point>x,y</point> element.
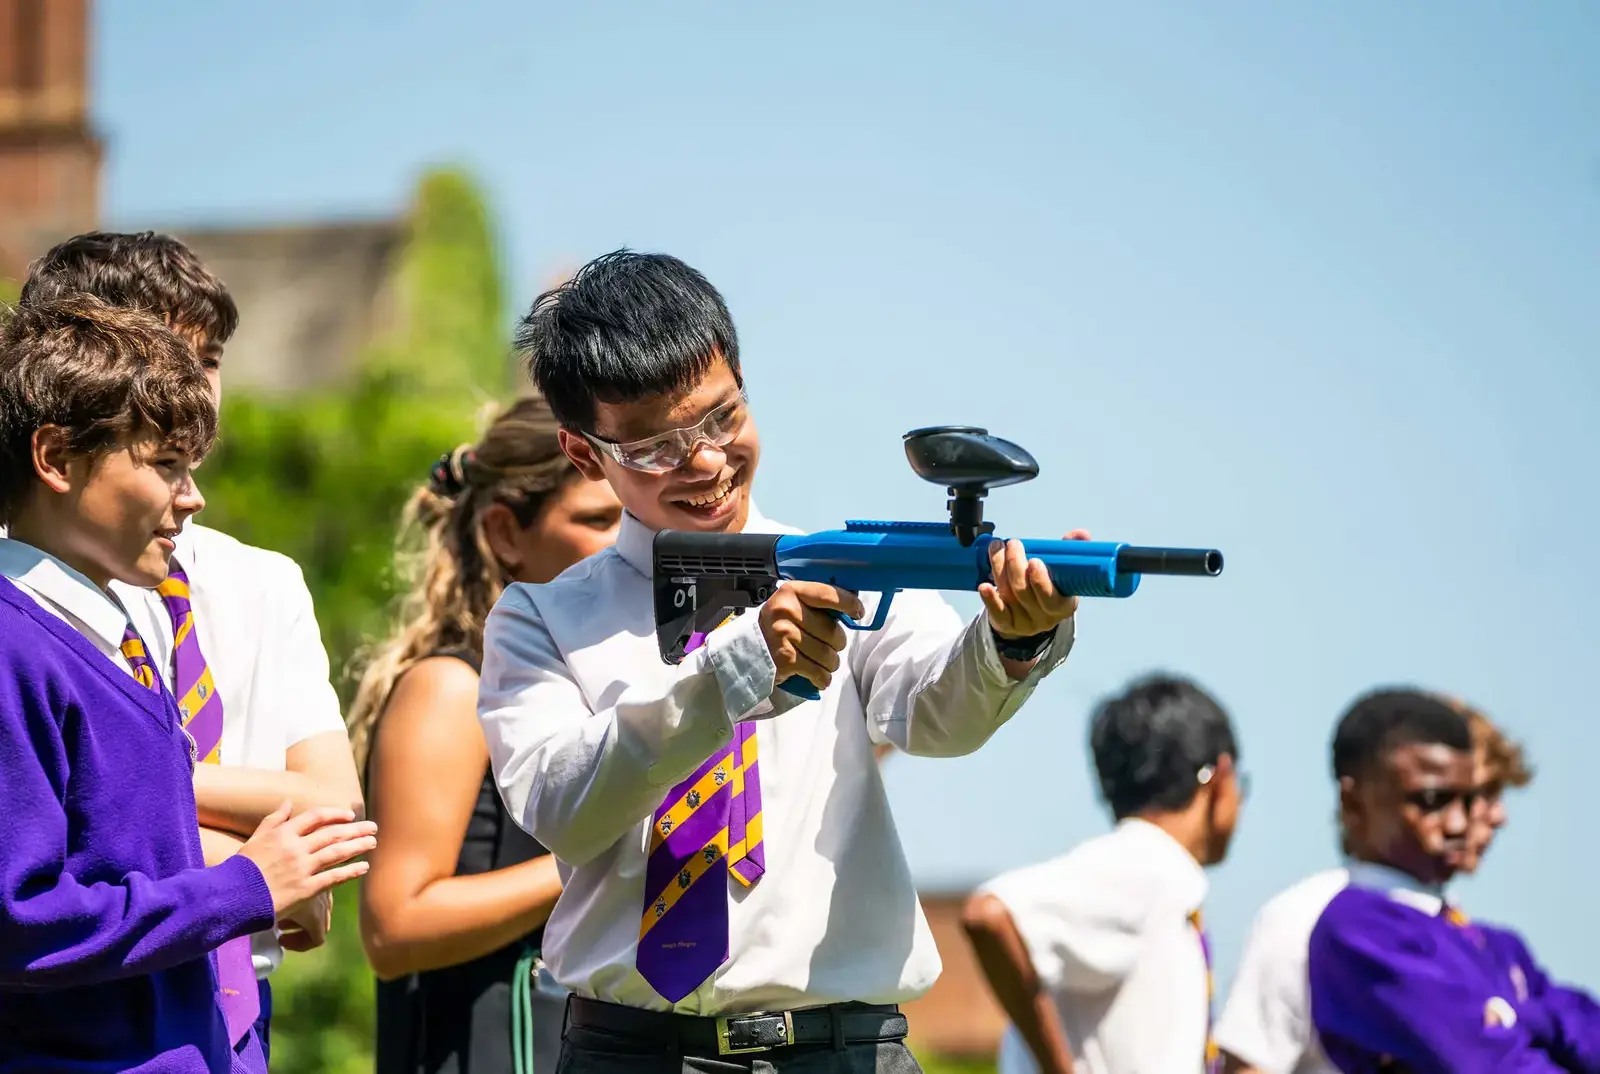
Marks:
<point>578,779</point>
<point>935,688</point>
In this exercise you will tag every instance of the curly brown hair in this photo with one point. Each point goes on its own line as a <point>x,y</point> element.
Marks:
<point>107,376</point>
<point>1507,762</point>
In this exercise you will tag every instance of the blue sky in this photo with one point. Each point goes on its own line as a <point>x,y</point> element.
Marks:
<point>1312,284</point>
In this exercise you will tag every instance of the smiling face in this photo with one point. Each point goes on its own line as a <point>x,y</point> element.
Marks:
<point>708,488</point>
<point>115,515</point>
<point>1413,811</point>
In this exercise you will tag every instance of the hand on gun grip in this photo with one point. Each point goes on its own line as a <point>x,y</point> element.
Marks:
<point>802,633</point>
<point>302,856</point>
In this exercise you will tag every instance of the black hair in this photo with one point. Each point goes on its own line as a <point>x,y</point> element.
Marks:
<point>1383,719</point>
<point>627,326</point>
<point>1151,741</point>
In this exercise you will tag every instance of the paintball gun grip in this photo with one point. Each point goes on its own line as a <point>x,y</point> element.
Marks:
<point>802,687</point>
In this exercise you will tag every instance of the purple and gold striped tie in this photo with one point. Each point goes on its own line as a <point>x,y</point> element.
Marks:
<point>138,658</point>
<point>1213,1058</point>
<point>200,708</point>
<point>707,827</point>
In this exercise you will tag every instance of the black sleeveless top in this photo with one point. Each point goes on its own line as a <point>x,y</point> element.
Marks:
<point>457,1020</point>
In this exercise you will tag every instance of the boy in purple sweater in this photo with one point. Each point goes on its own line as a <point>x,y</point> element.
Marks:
<point>109,918</point>
<point>1400,980</point>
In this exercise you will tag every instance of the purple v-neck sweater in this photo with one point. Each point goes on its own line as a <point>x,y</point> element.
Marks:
<point>108,914</point>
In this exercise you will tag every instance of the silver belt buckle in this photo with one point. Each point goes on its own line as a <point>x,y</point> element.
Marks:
<point>725,1045</point>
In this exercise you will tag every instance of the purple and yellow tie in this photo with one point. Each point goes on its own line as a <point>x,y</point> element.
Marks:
<point>138,658</point>
<point>1213,1058</point>
<point>707,827</point>
<point>200,708</point>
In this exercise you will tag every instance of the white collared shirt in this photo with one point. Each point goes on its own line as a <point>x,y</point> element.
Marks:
<point>258,631</point>
<point>588,729</point>
<point>68,595</point>
<point>1267,1019</point>
<point>1107,928</point>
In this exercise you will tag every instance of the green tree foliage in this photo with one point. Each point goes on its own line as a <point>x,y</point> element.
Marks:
<point>322,477</point>
<point>450,293</point>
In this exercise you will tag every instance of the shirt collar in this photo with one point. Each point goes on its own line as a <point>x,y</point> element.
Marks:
<point>64,587</point>
<point>1188,876</point>
<point>1401,887</point>
<point>635,539</point>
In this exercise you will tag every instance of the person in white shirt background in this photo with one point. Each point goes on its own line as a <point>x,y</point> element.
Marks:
<point>283,735</point>
<point>1265,1026</point>
<point>645,779</point>
<point>1099,957</point>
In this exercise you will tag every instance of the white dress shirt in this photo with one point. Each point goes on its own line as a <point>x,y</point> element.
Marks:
<point>1107,928</point>
<point>588,729</point>
<point>259,634</point>
<point>1267,1019</point>
<point>67,595</point>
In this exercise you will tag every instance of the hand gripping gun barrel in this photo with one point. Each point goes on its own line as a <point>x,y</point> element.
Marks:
<point>701,577</point>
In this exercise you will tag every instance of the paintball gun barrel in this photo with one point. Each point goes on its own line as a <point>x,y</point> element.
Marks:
<point>701,577</point>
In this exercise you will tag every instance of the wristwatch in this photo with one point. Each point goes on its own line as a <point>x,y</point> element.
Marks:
<point>1027,648</point>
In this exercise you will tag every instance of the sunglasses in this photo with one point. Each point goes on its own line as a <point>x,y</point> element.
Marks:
<point>1430,800</point>
<point>673,449</point>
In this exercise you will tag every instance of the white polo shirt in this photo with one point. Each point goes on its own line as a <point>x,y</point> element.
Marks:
<point>1107,928</point>
<point>260,638</point>
<point>1267,1019</point>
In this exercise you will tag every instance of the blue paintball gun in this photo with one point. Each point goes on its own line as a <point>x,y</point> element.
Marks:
<point>701,577</point>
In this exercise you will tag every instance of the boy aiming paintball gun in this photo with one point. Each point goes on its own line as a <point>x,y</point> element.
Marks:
<point>660,786</point>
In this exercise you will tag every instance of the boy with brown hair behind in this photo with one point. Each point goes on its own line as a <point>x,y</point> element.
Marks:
<point>232,630</point>
<point>109,916</point>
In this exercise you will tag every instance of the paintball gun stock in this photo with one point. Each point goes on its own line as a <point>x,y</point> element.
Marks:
<point>701,577</point>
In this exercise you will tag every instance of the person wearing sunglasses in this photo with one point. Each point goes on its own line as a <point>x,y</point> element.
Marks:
<point>1368,967</point>
<point>1100,957</point>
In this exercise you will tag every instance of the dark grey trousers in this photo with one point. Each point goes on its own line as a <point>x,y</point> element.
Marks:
<point>585,1051</point>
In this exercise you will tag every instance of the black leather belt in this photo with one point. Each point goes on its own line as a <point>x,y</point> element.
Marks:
<point>760,1031</point>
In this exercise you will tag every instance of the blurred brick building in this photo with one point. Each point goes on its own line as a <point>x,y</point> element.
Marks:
<point>49,156</point>
<point>959,1015</point>
<point>311,293</point>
